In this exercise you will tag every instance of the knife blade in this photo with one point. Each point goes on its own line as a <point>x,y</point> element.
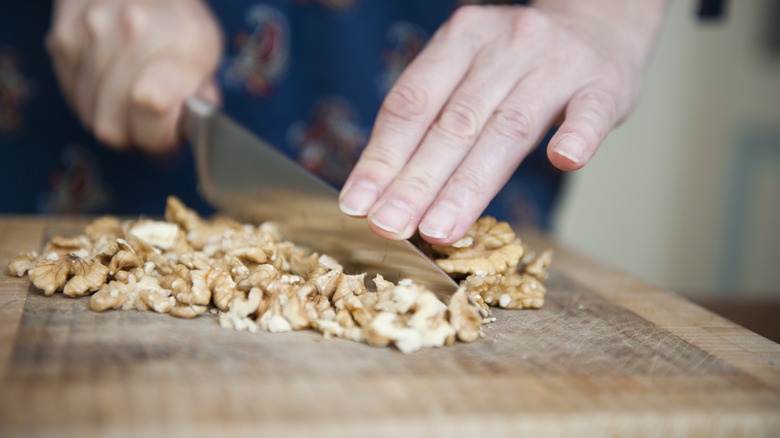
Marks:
<point>246,177</point>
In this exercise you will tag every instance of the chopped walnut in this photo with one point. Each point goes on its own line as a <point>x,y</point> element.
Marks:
<point>158,234</point>
<point>327,283</point>
<point>223,288</point>
<point>359,312</point>
<point>104,227</point>
<point>388,325</point>
<point>112,295</point>
<point>410,317</point>
<point>22,263</point>
<point>244,306</point>
<point>348,286</point>
<point>71,274</point>
<point>241,310</point>
<point>253,279</point>
<point>477,299</point>
<point>124,259</point>
<point>464,317</point>
<point>399,299</point>
<point>188,311</point>
<point>177,213</point>
<point>146,252</point>
<point>430,320</point>
<point>86,277</point>
<point>513,291</point>
<point>298,314</point>
<point>159,302</point>
<point>105,248</point>
<point>261,276</point>
<point>488,248</point>
<point>60,246</point>
<point>538,265</point>
<point>200,292</point>
<point>144,294</point>
<point>198,231</point>
<point>272,320</point>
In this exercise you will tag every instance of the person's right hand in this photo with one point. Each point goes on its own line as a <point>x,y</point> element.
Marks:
<point>126,66</point>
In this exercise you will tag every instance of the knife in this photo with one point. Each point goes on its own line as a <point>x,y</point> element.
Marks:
<point>246,177</point>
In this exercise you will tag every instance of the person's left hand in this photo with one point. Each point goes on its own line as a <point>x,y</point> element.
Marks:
<point>479,97</point>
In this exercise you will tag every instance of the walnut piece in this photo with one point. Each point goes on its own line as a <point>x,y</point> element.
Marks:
<point>512,291</point>
<point>158,234</point>
<point>488,248</point>
<point>106,226</point>
<point>464,316</point>
<point>23,262</point>
<point>70,274</point>
<point>538,265</point>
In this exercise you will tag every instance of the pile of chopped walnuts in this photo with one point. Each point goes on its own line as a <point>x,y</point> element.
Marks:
<point>255,280</point>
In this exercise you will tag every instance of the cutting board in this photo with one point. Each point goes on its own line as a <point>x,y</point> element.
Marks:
<point>607,355</point>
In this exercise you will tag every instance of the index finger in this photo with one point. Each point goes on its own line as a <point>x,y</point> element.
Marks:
<point>406,114</point>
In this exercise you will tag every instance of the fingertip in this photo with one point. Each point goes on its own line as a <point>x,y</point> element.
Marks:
<point>568,152</point>
<point>357,197</point>
<point>393,219</point>
<point>439,223</point>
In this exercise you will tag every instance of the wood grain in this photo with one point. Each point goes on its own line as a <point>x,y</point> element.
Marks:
<point>607,355</point>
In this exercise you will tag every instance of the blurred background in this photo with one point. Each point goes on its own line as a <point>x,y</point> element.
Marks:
<point>686,193</point>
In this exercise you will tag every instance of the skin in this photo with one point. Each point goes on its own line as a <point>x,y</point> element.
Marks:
<point>128,86</point>
<point>482,94</point>
<point>451,131</point>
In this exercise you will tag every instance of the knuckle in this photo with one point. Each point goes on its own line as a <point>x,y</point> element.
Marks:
<point>464,16</point>
<point>473,182</point>
<point>514,124</point>
<point>96,20</point>
<point>382,161</point>
<point>61,41</point>
<point>526,23</point>
<point>406,102</point>
<point>421,181</point>
<point>464,22</point>
<point>134,17</point>
<point>600,105</point>
<point>459,120</point>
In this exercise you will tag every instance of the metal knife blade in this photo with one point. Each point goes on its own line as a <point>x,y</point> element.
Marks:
<point>246,177</point>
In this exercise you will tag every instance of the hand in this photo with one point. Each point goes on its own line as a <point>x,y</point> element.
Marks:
<point>126,66</point>
<point>482,94</point>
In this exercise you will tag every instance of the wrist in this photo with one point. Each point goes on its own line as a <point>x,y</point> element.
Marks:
<point>627,25</point>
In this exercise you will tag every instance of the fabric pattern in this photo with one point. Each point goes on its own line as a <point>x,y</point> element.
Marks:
<point>307,75</point>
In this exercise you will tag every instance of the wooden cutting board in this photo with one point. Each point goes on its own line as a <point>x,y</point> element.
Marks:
<point>607,355</point>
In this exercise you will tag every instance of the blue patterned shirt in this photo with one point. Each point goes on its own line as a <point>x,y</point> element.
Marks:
<point>307,75</point>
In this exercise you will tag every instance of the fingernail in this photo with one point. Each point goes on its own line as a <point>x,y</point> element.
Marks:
<point>393,216</point>
<point>439,221</point>
<point>571,147</point>
<point>359,197</point>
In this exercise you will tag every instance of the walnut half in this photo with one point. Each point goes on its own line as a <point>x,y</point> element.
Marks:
<point>71,274</point>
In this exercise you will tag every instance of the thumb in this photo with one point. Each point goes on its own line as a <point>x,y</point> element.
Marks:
<point>590,115</point>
